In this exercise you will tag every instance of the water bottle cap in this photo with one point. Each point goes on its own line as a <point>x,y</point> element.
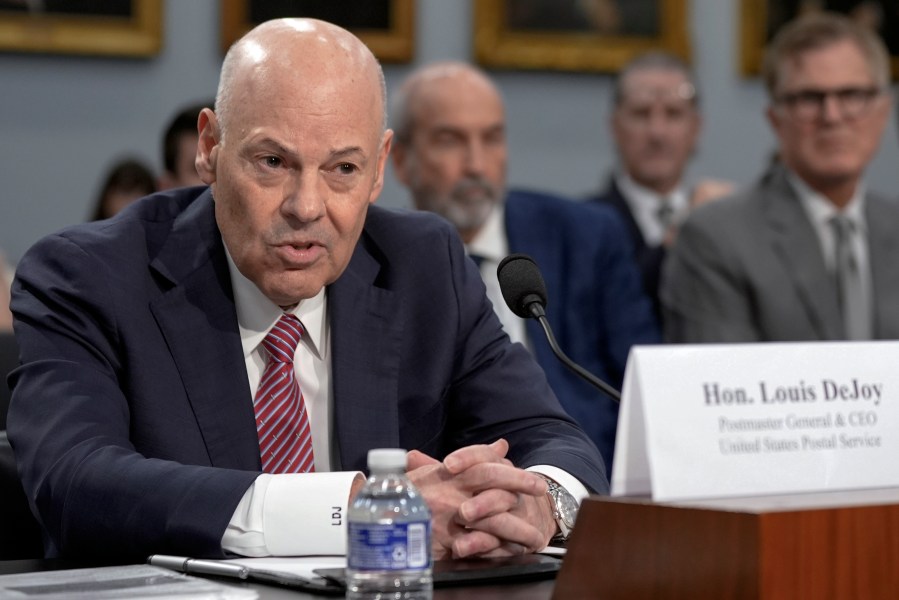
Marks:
<point>387,459</point>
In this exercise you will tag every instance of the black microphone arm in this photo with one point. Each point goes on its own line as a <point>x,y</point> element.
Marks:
<point>525,293</point>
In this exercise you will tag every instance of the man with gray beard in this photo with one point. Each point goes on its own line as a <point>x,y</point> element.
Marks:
<point>450,151</point>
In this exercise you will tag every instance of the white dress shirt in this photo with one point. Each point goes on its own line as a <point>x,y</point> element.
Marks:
<point>820,211</point>
<point>645,204</point>
<point>291,514</point>
<point>303,514</point>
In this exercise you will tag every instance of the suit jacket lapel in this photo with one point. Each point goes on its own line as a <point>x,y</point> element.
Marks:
<point>197,317</point>
<point>883,252</point>
<point>366,330</point>
<point>797,245</point>
<point>621,204</point>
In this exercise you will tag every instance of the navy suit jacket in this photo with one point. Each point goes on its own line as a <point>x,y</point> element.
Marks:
<point>649,258</point>
<point>132,417</point>
<point>596,306</point>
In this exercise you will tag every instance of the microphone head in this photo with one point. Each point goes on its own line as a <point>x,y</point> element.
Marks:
<point>521,284</point>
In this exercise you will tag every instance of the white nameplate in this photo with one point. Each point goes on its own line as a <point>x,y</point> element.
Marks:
<point>706,421</point>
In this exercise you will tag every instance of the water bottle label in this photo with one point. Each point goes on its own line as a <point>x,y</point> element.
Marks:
<point>376,546</point>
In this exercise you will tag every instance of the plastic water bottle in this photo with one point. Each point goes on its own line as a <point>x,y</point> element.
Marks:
<point>389,549</point>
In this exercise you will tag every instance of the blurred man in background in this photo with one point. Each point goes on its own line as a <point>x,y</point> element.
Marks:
<point>179,149</point>
<point>656,125</point>
<point>808,253</point>
<point>450,151</point>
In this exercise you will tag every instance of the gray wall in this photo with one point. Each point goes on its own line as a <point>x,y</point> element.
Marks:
<point>65,119</point>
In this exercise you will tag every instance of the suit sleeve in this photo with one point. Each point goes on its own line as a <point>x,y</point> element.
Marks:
<point>703,293</point>
<point>70,425</point>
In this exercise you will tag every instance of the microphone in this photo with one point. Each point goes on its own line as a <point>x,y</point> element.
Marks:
<point>524,291</point>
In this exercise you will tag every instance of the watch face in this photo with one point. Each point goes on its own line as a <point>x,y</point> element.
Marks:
<point>568,508</point>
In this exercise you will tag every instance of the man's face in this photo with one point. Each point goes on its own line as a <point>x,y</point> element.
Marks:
<point>455,162</point>
<point>823,142</point>
<point>656,126</point>
<point>293,178</point>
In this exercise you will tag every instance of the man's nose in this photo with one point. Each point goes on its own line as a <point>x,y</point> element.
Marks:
<point>830,108</point>
<point>475,158</point>
<point>304,196</point>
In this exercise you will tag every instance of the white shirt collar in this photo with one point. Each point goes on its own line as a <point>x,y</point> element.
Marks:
<point>644,204</point>
<point>491,242</point>
<point>256,314</point>
<point>820,210</point>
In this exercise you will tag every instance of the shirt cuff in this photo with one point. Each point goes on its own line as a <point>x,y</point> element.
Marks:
<point>568,481</point>
<point>291,515</point>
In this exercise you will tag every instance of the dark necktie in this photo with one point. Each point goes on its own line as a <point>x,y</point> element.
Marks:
<point>285,439</point>
<point>665,213</point>
<point>851,293</point>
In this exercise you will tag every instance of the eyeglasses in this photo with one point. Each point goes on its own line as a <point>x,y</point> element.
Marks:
<point>808,105</point>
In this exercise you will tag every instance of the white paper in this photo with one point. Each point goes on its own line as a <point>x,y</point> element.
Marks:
<point>134,581</point>
<point>733,420</point>
<point>294,565</point>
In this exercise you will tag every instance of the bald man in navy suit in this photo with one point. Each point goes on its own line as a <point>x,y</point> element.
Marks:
<point>132,415</point>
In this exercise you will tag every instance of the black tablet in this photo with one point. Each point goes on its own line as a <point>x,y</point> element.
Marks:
<point>529,567</point>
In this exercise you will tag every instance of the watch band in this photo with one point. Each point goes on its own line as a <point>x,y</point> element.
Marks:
<point>556,493</point>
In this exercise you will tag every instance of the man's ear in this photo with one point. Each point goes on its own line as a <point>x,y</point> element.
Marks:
<point>207,145</point>
<point>400,155</point>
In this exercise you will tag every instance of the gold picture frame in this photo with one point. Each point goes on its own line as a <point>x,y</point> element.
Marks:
<point>575,46</point>
<point>65,31</point>
<point>759,19</point>
<point>393,43</point>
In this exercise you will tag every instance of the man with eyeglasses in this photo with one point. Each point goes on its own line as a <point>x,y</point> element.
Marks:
<point>808,253</point>
<point>655,121</point>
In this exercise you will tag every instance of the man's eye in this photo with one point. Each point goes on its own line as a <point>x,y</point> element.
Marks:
<point>639,114</point>
<point>346,168</point>
<point>447,140</point>
<point>272,162</point>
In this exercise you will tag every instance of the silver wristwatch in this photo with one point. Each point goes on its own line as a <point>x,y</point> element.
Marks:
<point>564,508</point>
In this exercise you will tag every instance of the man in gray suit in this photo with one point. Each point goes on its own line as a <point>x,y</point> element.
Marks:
<point>807,253</point>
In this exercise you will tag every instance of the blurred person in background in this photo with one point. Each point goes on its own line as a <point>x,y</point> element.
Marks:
<point>808,252</point>
<point>450,151</point>
<point>6,275</point>
<point>179,149</point>
<point>127,180</point>
<point>656,124</point>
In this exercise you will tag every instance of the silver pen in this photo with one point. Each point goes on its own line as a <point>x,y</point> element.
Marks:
<point>184,564</point>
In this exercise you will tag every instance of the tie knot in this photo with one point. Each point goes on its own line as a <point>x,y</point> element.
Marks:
<point>842,225</point>
<point>281,342</point>
<point>665,212</point>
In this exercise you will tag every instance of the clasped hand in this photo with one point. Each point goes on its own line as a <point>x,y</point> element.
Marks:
<point>481,504</point>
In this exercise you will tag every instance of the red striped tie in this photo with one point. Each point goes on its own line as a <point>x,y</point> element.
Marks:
<point>285,440</point>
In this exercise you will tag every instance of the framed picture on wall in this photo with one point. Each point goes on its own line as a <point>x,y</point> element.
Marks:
<point>576,35</point>
<point>97,27</point>
<point>760,20</point>
<point>385,26</point>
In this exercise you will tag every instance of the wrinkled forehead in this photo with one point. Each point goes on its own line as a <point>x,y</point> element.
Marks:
<point>651,86</point>
<point>460,94</point>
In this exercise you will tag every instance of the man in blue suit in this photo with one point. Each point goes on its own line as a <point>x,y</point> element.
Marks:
<point>139,411</point>
<point>450,150</point>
